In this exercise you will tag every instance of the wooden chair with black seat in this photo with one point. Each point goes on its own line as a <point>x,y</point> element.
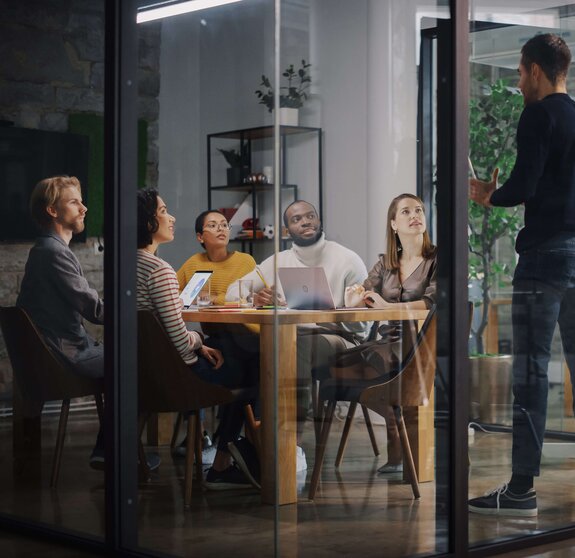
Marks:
<point>167,384</point>
<point>317,413</point>
<point>409,387</point>
<point>40,377</point>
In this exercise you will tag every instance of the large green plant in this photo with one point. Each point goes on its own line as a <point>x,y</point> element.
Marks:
<point>493,119</point>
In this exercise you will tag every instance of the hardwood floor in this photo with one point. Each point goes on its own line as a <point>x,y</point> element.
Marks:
<point>356,511</point>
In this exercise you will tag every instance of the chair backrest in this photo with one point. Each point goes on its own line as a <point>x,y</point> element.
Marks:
<point>165,382</point>
<point>38,374</point>
<point>411,387</point>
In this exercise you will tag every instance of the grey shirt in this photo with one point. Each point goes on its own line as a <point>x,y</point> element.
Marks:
<point>57,296</point>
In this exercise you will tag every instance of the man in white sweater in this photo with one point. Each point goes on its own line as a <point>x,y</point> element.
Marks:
<point>316,342</point>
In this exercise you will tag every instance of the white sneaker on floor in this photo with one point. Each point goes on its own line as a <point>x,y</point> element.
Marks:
<point>208,455</point>
<point>301,463</point>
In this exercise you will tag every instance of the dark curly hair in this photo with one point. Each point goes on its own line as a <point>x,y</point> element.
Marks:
<point>147,221</point>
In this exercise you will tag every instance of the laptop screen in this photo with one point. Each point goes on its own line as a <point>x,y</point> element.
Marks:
<point>194,286</point>
<point>306,288</point>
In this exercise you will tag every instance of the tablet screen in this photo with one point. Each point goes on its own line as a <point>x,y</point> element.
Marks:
<point>194,286</point>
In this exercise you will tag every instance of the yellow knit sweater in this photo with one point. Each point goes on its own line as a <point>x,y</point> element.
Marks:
<point>225,273</point>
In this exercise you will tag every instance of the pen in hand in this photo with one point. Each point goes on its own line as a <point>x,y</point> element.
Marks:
<point>262,278</point>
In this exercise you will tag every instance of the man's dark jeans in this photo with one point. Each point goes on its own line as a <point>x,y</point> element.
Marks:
<point>543,295</point>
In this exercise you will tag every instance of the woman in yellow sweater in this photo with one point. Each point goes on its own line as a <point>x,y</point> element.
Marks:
<point>213,232</point>
<point>240,344</point>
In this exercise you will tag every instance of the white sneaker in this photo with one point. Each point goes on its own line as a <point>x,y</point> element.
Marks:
<point>208,455</point>
<point>301,463</point>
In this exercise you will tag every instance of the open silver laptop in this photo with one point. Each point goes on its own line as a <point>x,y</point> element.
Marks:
<point>306,288</point>
<point>194,286</point>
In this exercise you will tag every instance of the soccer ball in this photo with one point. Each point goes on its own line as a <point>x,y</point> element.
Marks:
<point>269,231</point>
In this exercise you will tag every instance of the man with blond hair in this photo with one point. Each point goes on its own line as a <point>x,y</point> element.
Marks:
<point>54,291</point>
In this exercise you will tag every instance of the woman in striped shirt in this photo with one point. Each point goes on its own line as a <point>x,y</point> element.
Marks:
<point>157,290</point>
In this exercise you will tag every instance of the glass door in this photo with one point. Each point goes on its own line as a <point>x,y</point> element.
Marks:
<point>497,444</point>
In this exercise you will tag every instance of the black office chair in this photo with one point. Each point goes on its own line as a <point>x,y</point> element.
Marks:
<point>167,384</point>
<point>350,415</point>
<point>410,387</point>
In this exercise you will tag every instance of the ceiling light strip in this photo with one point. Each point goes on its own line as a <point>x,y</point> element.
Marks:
<point>151,14</point>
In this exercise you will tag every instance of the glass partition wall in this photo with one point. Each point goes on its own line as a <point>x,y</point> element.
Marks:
<point>347,109</point>
<point>496,38</point>
<point>353,426</point>
<point>51,123</point>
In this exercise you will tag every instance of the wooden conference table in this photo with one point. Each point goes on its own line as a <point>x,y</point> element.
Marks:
<point>419,421</point>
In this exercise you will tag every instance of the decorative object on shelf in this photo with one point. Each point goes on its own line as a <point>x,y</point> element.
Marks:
<point>239,163</point>
<point>250,229</point>
<point>250,223</point>
<point>289,116</point>
<point>268,231</point>
<point>256,178</point>
<point>247,234</point>
<point>228,212</point>
<point>292,95</point>
<point>269,174</point>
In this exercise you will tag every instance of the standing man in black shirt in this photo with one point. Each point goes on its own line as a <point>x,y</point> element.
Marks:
<point>543,179</point>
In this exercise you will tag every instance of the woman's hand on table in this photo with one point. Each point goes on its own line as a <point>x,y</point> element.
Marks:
<point>353,297</point>
<point>374,300</point>
<point>213,356</point>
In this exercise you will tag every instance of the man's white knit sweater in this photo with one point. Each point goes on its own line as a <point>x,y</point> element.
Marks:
<point>342,266</point>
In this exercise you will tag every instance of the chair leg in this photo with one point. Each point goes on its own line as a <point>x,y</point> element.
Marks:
<point>253,430</point>
<point>320,450</point>
<point>317,418</point>
<point>143,468</point>
<point>60,442</point>
<point>370,430</point>
<point>176,431</point>
<point>407,455</point>
<point>197,449</point>
<point>191,450</point>
<point>345,433</point>
<point>99,407</point>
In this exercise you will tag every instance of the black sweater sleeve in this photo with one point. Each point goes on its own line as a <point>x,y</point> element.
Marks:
<point>533,141</point>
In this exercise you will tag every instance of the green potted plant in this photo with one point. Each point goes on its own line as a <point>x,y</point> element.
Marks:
<point>292,95</point>
<point>493,121</point>
<point>239,163</point>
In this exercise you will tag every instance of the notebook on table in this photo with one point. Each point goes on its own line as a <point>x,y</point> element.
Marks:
<point>306,288</point>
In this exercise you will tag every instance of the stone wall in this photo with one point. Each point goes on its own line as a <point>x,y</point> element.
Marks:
<point>52,66</point>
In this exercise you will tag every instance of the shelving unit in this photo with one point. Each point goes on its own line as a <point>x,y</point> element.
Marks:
<point>255,139</point>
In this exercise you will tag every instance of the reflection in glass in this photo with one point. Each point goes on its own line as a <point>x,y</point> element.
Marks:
<point>349,150</point>
<point>545,399</point>
<point>51,357</point>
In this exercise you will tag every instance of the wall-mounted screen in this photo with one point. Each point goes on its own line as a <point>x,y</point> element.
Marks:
<point>26,157</point>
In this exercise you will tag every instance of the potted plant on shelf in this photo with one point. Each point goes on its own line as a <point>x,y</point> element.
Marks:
<point>492,125</point>
<point>292,95</point>
<point>239,164</point>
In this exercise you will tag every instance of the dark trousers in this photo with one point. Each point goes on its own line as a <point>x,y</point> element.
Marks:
<point>231,415</point>
<point>543,296</point>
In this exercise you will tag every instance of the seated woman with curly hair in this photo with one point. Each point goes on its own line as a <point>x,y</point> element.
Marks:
<point>157,290</point>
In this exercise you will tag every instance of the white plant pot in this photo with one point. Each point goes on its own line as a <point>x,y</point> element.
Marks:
<point>289,116</point>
